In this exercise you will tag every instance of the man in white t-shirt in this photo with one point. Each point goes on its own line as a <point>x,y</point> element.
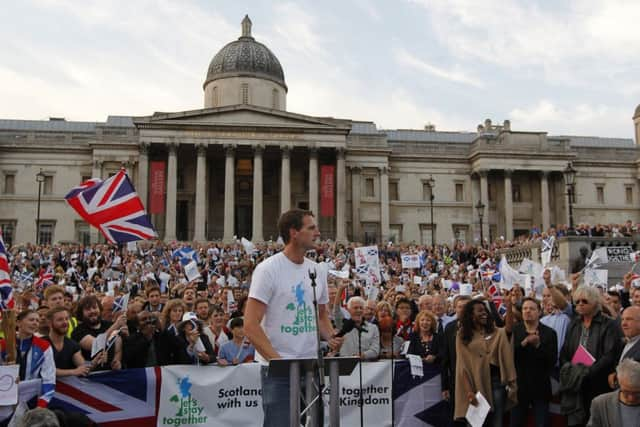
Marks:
<point>279,317</point>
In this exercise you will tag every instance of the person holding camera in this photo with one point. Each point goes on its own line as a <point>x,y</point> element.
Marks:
<point>143,347</point>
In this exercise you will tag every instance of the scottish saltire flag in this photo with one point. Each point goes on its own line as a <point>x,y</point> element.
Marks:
<point>113,207</point>
<point>186,254</point>
<point>113,398</point>
<point>6,290</point>
<point>418,401</point>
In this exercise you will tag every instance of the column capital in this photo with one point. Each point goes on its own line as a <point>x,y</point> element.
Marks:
<point>201,149</point>
<point>544,174</point>
<point>126,164</point>
<point>383,170</point>
<point>355,169</point>
<point>229,149</point>
<point>258,150</point>
<point>144,148</point>
<point>313,151</point>
<point>172,147</point>
<point>483,173</point>
<point>286,150</point>
<point>508,173</point>
<point>97,163</point>
<point>340,152</point>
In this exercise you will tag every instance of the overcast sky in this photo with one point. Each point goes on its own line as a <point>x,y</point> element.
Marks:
<point>566,67</point>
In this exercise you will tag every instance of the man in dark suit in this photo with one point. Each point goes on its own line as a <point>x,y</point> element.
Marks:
<point>448,357</point>
<point>620,407</point>
<point>630,323</point>
<point>535,353</point>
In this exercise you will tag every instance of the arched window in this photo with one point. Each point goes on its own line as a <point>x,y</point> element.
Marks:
<point>274,99</point>
<point>244,93</point>
<point>214,96</point>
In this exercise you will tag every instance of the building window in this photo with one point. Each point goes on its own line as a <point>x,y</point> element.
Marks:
<point>369,188</point>
<point>393,191</point>
<point>426,191</point>
<point>82,233</point>
<point>8,232</point>
<point>180,181</point>
<point>214,96</point>
<point>395,233</point>
<point>600,194</point>
<point>628,194</point>
<point>425,233</point>
<point>244,93</point>
<point>47,187</point>
<point>275,99</point>
<point>9,184</point>
<point>516,196</point>
<point>45,232</point>
<point>459,192</point>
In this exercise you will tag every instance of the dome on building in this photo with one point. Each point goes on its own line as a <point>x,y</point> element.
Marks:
<point>245,57</point>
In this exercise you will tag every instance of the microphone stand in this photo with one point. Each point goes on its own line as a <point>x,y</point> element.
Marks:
<point>320,371</point>
<point>361,400</point>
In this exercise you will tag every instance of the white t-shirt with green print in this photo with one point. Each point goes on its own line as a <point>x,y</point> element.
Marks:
<point>289,320</point>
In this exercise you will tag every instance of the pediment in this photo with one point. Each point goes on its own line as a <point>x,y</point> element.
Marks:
<point>242,116</point>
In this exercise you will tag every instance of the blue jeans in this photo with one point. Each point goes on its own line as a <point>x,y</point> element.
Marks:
<point>540,413</point>
<point>275,399</point>
<point>499,395</point>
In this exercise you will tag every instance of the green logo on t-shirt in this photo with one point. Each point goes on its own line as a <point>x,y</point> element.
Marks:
<point>304,321</point>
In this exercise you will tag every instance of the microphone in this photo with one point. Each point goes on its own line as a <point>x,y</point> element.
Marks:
<point>348,325</point>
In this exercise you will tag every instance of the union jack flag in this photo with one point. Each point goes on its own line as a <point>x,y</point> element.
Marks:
<point>44,279</point>
<point>113,207</point>
<point>496,295</point>
<point>113,398</point>
<point>6,290</point>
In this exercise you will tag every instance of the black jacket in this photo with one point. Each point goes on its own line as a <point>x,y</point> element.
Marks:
<point>448,356</point>
<point>603,344</point>
<point>136,350</point>
<point>534,365</point>
<point>416,347</point>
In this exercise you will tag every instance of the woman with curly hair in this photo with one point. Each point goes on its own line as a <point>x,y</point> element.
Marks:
<point>424,341</point>
<point>484,363</point>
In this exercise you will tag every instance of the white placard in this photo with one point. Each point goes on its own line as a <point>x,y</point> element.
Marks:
<point>410,260</point>
<point>9,375</point>
<point>477,414</point>
<point>415,363</point>
<point>191,271</point>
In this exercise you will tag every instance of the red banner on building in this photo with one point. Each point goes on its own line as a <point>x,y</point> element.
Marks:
<point>157,187</point>
<point>327,190</point>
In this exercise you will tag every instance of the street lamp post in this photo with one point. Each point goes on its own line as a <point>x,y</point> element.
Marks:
<point>39,180</point>
<point>570,182</point>
<point>431,183</point>
<point>480,208</point>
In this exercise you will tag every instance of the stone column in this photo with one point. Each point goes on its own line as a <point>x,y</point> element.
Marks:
<point>544,200</point>
<point>313,181</point>
<point>484,197</point>
<point>341,184</point>
<point>201,194</point>
<point>143,173</point>
<point>229,193</point>
<point>508,205</point>
<point>96,172</point>
<point>356,234</point>
<point>172,188</point>
<point>285,180</point>
<point>384,204</point>
<point>257,195</point>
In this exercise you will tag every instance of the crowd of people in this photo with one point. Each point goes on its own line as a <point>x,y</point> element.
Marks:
<point>83,309</point>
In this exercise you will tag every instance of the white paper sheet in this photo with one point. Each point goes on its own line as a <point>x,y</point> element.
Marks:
<point>8,384</point>
<point>477,414</point>
<point>98,344</point>
<point>415,363</point>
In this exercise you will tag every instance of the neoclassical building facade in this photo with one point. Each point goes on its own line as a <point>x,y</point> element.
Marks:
<point>229,169</point>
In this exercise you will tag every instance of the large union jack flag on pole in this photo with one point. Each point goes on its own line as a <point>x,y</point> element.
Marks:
<point>113,207</point>
<point>6,290</point>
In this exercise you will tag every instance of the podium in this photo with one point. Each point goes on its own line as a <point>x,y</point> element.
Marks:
<point>294,368</point>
